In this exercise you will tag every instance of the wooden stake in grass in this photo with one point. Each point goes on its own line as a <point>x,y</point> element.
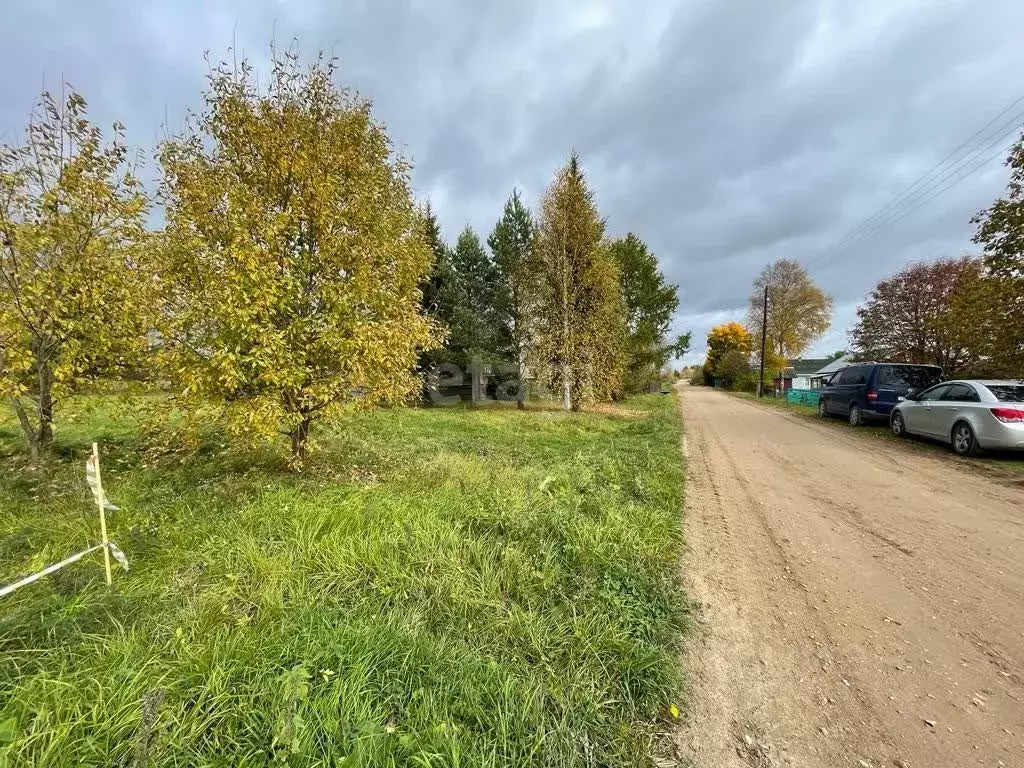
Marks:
<point>101,502</point>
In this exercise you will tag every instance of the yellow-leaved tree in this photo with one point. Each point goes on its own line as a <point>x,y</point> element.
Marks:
<point>293,253</point>
<point>581,318</point>
<point>799,312</point>
<point>606,354</point>
<point>726,338</point>
<point>73,297</point>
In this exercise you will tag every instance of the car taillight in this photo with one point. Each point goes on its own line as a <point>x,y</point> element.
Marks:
<point>1009,415</point>
<point>872,395</point>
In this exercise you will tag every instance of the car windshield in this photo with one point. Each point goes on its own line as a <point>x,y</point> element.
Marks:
<point>916,376</point>
<point>1007,393</point>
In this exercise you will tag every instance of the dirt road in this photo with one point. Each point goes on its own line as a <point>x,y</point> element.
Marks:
<point>862,604</point>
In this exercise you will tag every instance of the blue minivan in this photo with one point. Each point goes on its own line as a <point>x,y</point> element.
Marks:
<point>864,391</point>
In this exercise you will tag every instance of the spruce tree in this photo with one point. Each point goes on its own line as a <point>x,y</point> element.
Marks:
<point>437,295</point>
<point>650,302</point>
<point>432,286</point>
<point>513,245</point>
<point>477,337</point>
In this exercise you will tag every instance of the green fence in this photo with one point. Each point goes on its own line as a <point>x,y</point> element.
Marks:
<point>803,396</point>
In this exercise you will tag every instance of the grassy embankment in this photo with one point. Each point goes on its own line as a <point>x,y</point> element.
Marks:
<point>1000,464</point>
<point>442,588</point>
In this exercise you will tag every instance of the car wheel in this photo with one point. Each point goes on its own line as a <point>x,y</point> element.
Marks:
<point>822,410</point>
<point>856,419</point>
<point>898,425</point>
<point>964,441</point>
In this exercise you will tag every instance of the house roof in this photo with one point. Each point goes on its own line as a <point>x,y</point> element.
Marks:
<point>836,365</point>
<point>806,366</point>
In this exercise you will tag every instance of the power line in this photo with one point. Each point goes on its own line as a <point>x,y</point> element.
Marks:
<point>892,213</point>
<point>936,187</point>
<point>955,151</point>
<point>974,169</point>
<point>916,194</point>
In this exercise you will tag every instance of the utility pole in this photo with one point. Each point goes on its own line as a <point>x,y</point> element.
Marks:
<point>764,333</point>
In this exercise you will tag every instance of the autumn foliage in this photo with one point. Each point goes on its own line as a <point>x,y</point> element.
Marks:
<point>293,274</point>
<point>729,346</point>
<point>74,295</point>
<point>991,310</point>
<point>799,312</point>
<point>906,316</point>
<point>581,310</point>
<point>293,254</point>
<point>966,314</point>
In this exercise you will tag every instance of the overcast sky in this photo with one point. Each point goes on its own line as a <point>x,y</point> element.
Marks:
<point>726,134</point>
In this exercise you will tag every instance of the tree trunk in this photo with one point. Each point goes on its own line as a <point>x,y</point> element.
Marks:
<point>44,434</point>
<point>38,426</point>
<point>299,435</point>
<point>566,326</point>
<point>26,427</point>
<point>577,395</point>
<point>566,387</point>
<point>474,376</point>
<point>520,382</point>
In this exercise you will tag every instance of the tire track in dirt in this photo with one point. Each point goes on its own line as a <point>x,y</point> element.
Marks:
<point>858,608</point>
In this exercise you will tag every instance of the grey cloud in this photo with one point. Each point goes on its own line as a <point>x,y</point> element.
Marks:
<point>727,134</point>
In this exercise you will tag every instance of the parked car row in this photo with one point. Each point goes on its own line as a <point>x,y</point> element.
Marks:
<point>970,415</point>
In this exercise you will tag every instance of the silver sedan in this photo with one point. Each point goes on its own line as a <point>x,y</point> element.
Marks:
<point>970,415</point>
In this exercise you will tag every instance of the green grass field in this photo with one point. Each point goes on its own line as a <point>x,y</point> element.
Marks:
<point>441,588</point>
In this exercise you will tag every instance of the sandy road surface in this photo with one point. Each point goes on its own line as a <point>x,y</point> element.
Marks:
<point>863,604</point>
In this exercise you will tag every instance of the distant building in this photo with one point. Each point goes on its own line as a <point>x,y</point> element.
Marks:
<point>818,378</point>
<point>797,375</point>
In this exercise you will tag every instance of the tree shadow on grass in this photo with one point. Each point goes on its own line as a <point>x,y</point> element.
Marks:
<point>64,607</point>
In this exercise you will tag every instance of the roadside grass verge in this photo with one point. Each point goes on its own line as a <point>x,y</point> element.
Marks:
<point>1001,465</point>
<point>799,408</point>
<point>441,588</point>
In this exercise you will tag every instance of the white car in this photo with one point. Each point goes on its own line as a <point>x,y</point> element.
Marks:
<point>970,415</point>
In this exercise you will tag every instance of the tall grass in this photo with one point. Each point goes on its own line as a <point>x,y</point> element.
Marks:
<point>444,588</point>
